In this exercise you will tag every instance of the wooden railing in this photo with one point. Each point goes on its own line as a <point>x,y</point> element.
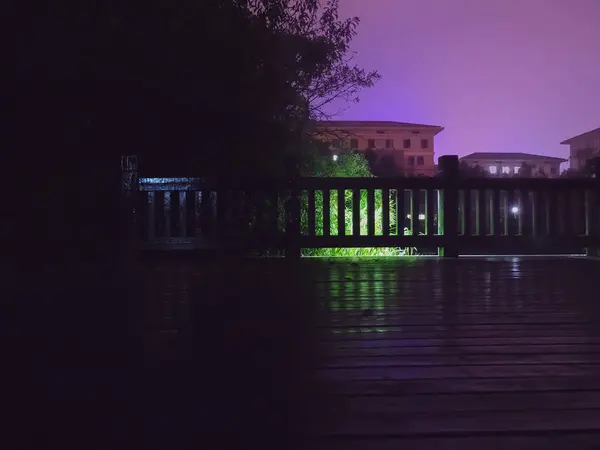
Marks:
<point>445,212</point>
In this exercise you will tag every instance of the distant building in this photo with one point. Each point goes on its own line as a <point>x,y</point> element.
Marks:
<point>393,147</point>
<point>582,148</point>
<point>514,164</point>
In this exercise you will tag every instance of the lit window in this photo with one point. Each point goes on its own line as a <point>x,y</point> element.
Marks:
<point>505,169</point>
<point>516,169</point>
<point>493,170</point>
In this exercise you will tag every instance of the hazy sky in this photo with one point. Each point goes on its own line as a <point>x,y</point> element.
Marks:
<point>499,75</point>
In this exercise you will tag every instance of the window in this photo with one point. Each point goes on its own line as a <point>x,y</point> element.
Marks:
<point>411,160</point>
<point>380,132</point>
<point>420,161</point>
<point>415,132</point>
<point>516,169</point>
<point>337,143</point>
<point>353,143</point>
<point>371,143</point>
<point>505,169</point>
<point>553,170</point>
<point>493,170</point>
<point>406,143</point>
<point>389,143</point>
<point>424,143</point>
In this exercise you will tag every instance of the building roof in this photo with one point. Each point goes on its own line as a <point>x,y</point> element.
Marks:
<point>499,156</point>
<point>568,141</point>
<point>375,124</point>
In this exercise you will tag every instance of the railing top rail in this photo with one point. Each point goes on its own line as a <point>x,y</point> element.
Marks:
<point>527,183</point>
<point>316,183</point>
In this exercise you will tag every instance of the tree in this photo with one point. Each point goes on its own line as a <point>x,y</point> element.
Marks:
<point>526,170</point>
<point>587,171</point>
<point>468,171</point>
<point>213,87</point>
<point>122,80</point>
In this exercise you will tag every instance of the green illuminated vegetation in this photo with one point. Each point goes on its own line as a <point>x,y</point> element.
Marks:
<point>348,164</point>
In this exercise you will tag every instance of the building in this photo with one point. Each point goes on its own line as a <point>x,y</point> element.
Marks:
<point>396,147</point>
<point>514,164</point>
<point>582,148</point>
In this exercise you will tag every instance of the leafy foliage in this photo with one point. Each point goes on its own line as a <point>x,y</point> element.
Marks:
<point>348,164</point>
<point>223,87</point>
<point>467,171</point>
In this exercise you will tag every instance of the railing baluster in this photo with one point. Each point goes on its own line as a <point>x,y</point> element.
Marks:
<point>206,215</point>
<point>580,222</point>
<point>311,214</point>
<point>197,213</point>
<point>400,211</point>
<point>496,217</point>
<point>415,212</point>
<point>554,225</point>
<point>385,216</point>
<point>511,225</point>
<point>326,212</point>
<point>467,213</point>
<point>591,214</point>
<point>570,212</point>
<point>356,212</point>
<point>183,213</point>
<point>480,213</point>
<point>371,211</point>
<point>526,213</point>
<point>341,211</point>
<point>167,214</point>
<point>538,215</point>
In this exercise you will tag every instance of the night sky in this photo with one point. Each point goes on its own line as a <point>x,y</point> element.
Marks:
<point>499,75</point>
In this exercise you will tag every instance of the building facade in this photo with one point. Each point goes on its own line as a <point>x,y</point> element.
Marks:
<point>582,148</point>
<point>514,164</point>
<point>408,147</point>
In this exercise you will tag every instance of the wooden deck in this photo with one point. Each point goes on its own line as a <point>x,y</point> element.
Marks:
<point>471,353</point>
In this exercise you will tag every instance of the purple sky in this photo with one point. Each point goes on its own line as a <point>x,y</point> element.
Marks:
<point>499,75</point>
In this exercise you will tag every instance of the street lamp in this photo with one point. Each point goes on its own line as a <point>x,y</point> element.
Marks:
<point>515,210</point>
<point>335,157</point>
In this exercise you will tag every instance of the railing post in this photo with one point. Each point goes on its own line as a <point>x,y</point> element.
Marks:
<point>593,210</point>
<point>130,189</point>
<point>292,231</point>
<point>448,206</point>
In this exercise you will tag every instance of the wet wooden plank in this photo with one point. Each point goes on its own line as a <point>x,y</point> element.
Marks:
<point>487,402</point>
<point>458,360</point>
<point>348,351</point>
<point>388,388</point>
<point>404,353</point>
<point>465,371</point>
<point>457,423</point>
<point>547,441</point>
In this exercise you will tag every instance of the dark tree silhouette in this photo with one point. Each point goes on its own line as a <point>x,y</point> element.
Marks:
<point>526,170</point>
<point>468,171</point>
<point>213,87</point>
